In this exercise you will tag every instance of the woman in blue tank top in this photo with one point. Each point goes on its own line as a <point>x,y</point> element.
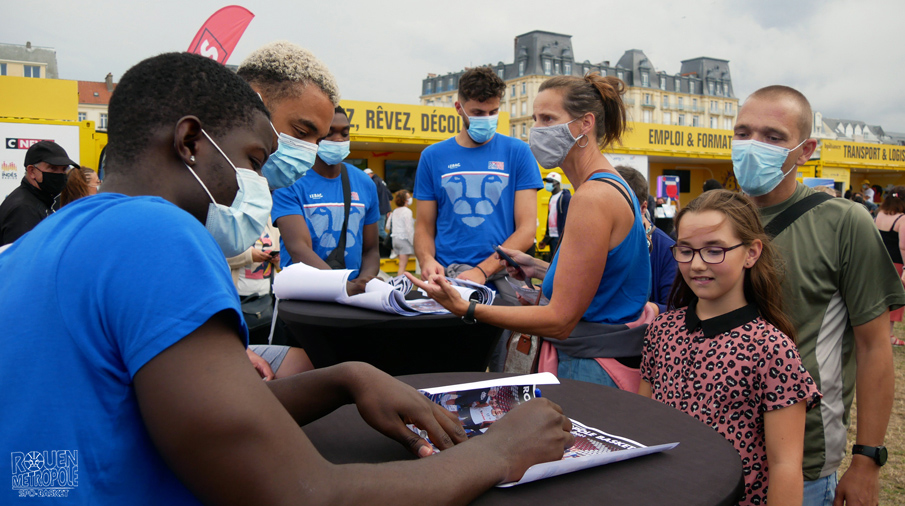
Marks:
<point>601,271</point>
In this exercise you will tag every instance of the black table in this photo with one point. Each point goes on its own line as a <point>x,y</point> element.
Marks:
<point>703,470</point>
<point>332,333</point>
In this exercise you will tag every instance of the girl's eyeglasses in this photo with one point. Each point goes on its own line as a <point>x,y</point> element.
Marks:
<point>709,254</point>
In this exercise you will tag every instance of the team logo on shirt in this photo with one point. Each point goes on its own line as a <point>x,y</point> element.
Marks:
<point>45,473</point>
<point>474,194</point>
<point>315,195</point>
<point>495,165</point>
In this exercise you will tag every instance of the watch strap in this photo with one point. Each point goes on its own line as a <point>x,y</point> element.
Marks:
<point>872,452</point>
<point>469,315</point>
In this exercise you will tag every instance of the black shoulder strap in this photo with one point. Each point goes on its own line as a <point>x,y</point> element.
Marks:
<point>620,190</point>
<point>337,257</point>
<point>793,212</point>
<point>893,226</point>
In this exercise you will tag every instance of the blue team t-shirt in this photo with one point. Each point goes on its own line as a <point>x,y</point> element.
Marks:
<point>320,201</point>
<point>88,297</point>
<point>475,193</point>
<point>625,284</point>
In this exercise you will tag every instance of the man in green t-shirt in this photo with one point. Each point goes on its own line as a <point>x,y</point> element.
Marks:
<point>839,286</point>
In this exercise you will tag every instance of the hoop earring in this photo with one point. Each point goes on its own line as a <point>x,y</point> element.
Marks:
<point>588,139</point>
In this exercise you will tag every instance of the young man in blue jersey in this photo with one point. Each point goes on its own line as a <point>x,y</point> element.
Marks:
<point>137,389</point>
<point>475,190</point>
<point>310,213</point>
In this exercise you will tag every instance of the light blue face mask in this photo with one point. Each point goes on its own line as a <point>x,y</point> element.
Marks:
<point>548,187</point>
<point>289,162</point>
<point>237,227</point>
<point>758,165</point>
<point>333,152</point>
<point>481,128</point>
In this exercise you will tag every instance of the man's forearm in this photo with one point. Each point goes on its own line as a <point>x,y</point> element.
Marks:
<point>370,263</point>
<point>302,253</point>
<point>875,389</point>
<point>331,383</point>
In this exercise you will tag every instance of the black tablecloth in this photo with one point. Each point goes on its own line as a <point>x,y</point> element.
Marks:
<point>333,333</point>
<point>703,470</point>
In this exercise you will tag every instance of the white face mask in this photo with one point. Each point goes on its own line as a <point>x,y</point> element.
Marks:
<point>408,201</point>
<point>238,226</point>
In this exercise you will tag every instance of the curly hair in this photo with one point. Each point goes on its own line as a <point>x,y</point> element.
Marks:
<point>277,68</point>
<point>401,197</point>
<point>158,91</point>
<point>481,84</point>
<point>894,202</point>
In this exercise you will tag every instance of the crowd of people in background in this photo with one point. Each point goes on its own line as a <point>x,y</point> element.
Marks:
<point>754,312</point>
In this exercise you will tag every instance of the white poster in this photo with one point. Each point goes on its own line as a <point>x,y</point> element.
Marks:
<point>637,162</point>
<point>18,137</point>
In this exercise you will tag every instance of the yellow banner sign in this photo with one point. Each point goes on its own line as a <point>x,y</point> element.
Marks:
<point>859,153</point>
<point>676,139</point>
<point>406,122</point>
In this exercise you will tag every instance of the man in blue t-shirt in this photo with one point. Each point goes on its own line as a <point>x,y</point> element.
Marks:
<point>128,383</point>
<point>310,213</point>
<point>475,190</point>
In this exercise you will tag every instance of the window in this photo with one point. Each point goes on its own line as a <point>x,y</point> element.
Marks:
<point>646,116</point>
<point>524,130</point>
<point>681,118</point>
<point>714,106</point>
<point>667,118</point>
<point>103,123</point>
<point>694,104</point>
<point>678,85</point>
<point>728,108</point>
<point>500,73</point>
<point>620,74</point>
<point>713,123</point>
<point>662,82</point>
<point>645,80</point>
<point>647,99</point>
<point>556,68</point>
<point>547,66</point>
<point>32,71</point>
<point>680,102</point>
<point>524,107</point>
<point>727,124</point>
<point>725,89</point>
<point>429,88</point>
<point>710,87</point>
<point>512,131</point>
<point>665,101</point>
<point>524,88</point>
<point>450,83</point>
<point>695,120</point>
<point>513,91</point>
<point>585,70</point>
<point>521,68</point>
<point>690,86</point>
<point>2,69</point>
<point>83,116</point>
<point>567,68</point>
<point>512,109</point>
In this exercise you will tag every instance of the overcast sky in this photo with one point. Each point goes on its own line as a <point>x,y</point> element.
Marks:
<point>845,56</point>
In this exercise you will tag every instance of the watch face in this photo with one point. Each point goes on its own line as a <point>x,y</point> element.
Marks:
<point>881,455</point>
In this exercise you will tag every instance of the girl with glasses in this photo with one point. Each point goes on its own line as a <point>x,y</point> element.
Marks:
<point>727,356</point>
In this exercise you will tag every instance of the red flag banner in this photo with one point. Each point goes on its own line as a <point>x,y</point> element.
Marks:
<point>219,35</point>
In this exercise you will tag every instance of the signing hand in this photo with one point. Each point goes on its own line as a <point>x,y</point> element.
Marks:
<point>534,432</point>
<point>439,289</point>
<point>357,285</point>
<point>387,404</point>
<point>259,256</point>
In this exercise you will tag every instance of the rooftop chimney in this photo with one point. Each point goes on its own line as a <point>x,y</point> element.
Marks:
<point>109,81</point>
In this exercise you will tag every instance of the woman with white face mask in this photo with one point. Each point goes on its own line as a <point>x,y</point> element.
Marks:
<point>601,271</point>
<point>401,227</point>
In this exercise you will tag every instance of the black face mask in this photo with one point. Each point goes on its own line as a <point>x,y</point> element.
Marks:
<point>53,183</point>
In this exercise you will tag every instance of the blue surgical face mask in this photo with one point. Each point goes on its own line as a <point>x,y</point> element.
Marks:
<point>237,227</point>
<point>758,165</point>
<point>481,128</point>
<point>333,152</point>
<point>548,187</point>
<point>291,161</point>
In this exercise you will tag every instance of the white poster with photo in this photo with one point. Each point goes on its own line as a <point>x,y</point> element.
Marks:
<point>18,137</point>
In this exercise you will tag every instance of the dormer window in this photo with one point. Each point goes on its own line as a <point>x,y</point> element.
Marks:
<point>645,79</point>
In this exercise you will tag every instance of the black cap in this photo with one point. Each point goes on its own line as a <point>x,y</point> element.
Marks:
<point>47,151</point>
